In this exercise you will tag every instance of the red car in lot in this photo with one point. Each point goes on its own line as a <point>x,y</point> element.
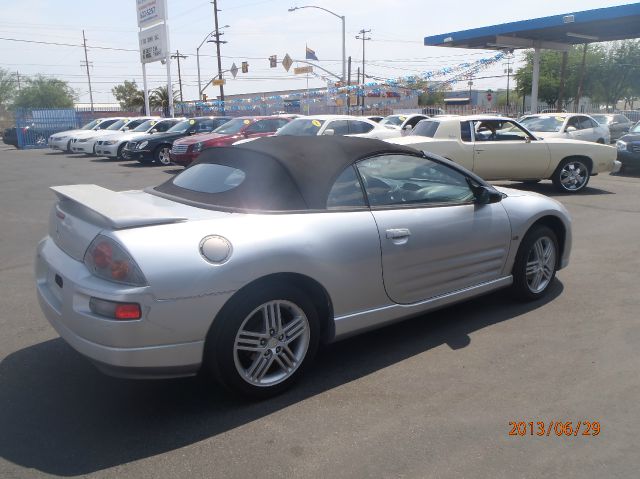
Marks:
<point>186,150</point>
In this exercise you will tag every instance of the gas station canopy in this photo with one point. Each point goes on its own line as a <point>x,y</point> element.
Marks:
<point>556,32</point>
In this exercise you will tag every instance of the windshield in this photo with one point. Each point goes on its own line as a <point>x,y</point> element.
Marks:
<point>90,125</point>
<point>232,127</point>
<point>393,120</point>
<point>181,127</point>
<point>301,127</point>
<point>145,126</point>
<point>425,128</point>
<point>602,119</point>
<point>543,123</point>
<point>635,128</point>
<point>117,125</point>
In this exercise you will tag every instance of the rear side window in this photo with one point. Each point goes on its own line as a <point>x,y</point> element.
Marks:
<point>346,191</point>
<point>465,131</point>
<point>209,178</point>
<point>339,127</point>
<point>427,128</point>
<point>358,127</point>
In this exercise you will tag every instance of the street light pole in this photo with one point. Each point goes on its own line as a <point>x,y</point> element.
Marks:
<point>344,47</point>
<point>363,36</point>
<point>206,39</point>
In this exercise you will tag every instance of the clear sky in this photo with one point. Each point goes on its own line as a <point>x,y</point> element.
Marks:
<point>258,29</point>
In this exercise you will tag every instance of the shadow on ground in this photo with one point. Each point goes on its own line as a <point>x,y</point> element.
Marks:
<point>547,189</point>
<point>59,415</point>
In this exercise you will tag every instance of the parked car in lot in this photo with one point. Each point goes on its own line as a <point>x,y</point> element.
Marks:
<point>618,124</point>
<point>10,136</point>
<point>186,150</point>
<point>403,123</point>
<point>112,145</point>
<point>498,148</point>
<point>155,148</point>
<point>62,141</point>
<point>566,125</point>
<point>87,144</point>
<point>198,274</point>
<point>628,147</point>
<point>339,125</point>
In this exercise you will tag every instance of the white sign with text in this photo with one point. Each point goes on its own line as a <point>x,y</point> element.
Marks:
<point>151,12</point>
<point>153,44</point>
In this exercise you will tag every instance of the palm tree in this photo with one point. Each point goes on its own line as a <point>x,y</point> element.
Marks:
<point>159,98</point>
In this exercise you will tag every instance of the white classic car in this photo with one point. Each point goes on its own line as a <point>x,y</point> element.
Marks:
<point>498,148</point>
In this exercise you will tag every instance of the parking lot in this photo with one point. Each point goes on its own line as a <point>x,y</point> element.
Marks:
<point>430,397</point>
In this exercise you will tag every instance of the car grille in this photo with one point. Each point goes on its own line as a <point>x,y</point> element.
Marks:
<point>635,147</point>
<point>179,149</point>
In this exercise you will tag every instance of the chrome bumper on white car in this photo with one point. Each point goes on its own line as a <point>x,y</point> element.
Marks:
<point>82,146</point>
<point>129,348</point>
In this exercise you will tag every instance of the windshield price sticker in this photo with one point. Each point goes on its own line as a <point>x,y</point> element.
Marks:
<point>315,123</point>
<point>246,122</point>
<point>192,122</point>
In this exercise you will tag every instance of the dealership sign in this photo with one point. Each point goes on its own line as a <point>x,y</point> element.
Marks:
<point>151,12</point>
<point>153,44</point>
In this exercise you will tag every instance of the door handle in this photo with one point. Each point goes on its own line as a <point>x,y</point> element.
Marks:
<point>398,233</point>
<point>479,149</point>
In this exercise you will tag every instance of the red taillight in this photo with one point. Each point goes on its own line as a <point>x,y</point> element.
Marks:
<point>119,270</point>
<point>102,254</point>
<point>115,310</point>
<point>128,311</point>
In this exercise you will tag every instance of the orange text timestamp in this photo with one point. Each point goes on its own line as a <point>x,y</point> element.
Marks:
<point>554,428</point>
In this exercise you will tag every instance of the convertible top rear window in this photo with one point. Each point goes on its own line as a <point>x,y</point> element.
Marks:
<point>210,178</point>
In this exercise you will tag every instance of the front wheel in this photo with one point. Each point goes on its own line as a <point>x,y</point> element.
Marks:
<point>536,263</point>
<point>161,155</point>
<point>261,342</point>
<point>571,176</point>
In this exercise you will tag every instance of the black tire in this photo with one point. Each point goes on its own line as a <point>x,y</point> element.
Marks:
<point>221,360</point>
<point>161,155</point>
<point>119,152</point>
<point>521,288</point>
<point>68,150</point>
<point>567,168</point>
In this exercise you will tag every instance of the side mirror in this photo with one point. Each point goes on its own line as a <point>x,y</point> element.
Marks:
<point>571,129</point>
<point>407,127</point>
<point>192,132</point>
<point>153,131</point>
<point>485,195</point>
<point>329,132</point>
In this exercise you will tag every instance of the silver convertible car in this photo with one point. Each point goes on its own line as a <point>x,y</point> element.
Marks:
<point>242,265</point>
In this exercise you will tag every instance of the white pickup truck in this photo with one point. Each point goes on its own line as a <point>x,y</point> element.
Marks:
<point>498,148</point>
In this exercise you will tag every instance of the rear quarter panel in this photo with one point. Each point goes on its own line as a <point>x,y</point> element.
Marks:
<point>602,156</point>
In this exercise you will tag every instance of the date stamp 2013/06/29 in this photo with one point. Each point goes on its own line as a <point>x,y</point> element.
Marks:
<point>554,428</point>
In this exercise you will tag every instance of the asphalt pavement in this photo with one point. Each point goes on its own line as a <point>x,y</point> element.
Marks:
<point>432,397</point>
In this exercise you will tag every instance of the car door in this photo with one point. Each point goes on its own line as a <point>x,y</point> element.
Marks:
<point>434,239</point>
<point>509,153</point>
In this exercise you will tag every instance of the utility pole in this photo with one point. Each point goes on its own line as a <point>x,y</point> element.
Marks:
<point>509,57</point>
<point>218,42</point>
<point>349,89</point>
<point>582,66</point>
<point>362,35</point>
<point>358,89</point>
<point>178,56</point>
<point>18,79</point>
<point>563,74</point>
<point>86,63</point>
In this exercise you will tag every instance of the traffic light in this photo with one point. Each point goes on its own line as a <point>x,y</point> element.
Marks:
<point>273,61</point>
<point>245,67</point>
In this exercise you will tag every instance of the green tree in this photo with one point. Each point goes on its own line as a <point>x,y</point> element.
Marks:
<point>431,98</point>
<point>128,95</point>
<point>8,86</point>
<point>616,75</point>
<point>159,98</point>
<point>42,92</point>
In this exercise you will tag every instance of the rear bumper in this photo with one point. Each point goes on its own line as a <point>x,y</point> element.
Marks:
<point>160,344</point>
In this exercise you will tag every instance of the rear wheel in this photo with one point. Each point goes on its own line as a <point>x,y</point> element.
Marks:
<point>572,175</point>
<point>261,342</point>
<point>161,155</point>
<point>536,263</point>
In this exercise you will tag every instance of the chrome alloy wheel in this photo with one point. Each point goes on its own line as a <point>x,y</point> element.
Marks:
<point>574,176</point>
<point>541,263</point>
<point>271,343</point>
<point>163,155</point>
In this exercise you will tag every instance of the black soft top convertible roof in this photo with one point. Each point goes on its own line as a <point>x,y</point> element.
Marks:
<point>284,172</point>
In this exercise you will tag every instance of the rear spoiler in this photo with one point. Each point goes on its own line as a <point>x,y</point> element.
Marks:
<point>118,211</point>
